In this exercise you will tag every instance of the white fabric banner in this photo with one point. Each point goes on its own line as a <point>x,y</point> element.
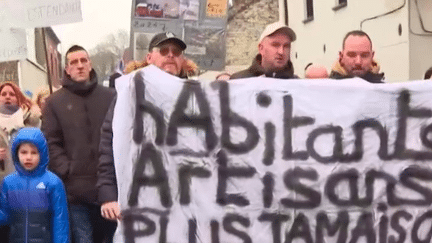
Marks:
<point>13,44</point>
<point>270,160</point>
<point>40,13</point>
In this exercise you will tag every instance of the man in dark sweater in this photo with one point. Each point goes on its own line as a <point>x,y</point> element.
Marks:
<point>72,120</point>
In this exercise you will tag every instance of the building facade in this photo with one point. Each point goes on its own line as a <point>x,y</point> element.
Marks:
<point>54,56</point>
<point>31,74</point>
<point>401,31</point>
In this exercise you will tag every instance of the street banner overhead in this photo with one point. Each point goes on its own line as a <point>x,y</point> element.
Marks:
<point>13,41</point>
<point>41,13</point>
<point>271,160</point>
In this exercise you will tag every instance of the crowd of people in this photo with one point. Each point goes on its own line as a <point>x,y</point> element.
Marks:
<point>356,59</point>
<point>61,146</point>
<point>16,112</point>
<point>59,182</point>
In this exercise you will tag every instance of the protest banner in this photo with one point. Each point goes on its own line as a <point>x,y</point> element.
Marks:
<point>13,45</point>
<point>41,13</point>
<point>271,160</point>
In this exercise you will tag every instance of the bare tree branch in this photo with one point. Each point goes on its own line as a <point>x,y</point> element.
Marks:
<point>108,53</point>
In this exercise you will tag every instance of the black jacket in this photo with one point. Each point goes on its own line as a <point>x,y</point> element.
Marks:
<point>256,70</point>
<point>107,181</point>
<point>71,122</point>
<point>370,77</point>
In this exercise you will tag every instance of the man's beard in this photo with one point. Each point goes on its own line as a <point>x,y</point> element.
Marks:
<point>171,68</point>
<point>358,72</point>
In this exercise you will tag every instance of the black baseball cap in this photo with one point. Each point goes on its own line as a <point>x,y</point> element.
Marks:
<point>164,37</point>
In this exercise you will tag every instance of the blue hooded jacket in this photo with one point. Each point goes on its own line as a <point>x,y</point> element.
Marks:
<point>34,202</point>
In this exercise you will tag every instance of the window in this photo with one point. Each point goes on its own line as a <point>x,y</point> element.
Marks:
<point>309,11</point>
<point>340,4</point>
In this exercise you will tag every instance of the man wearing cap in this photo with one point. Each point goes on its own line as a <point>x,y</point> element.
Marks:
<point>274,50</point>
<point>166,53</point>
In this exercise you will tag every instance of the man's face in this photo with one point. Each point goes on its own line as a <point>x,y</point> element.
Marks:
<point>357,55</point>
<point>275,51</point>
<point>78,66</point>
<point>168,57</point>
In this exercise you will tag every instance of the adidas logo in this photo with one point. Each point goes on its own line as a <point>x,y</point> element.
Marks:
<point>41,186</point>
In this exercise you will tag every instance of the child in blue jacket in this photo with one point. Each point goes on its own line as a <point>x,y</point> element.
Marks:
<point>33,199</point>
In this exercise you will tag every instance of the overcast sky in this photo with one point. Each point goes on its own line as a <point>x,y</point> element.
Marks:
<point>100,18</point>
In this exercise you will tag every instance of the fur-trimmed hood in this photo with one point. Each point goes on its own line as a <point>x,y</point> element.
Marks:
<point>373,76</point>
<point>189,67</point>
<point>337,67</point>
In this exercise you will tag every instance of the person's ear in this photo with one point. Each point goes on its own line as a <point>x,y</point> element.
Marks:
<point>67,69</point>
<point>260,48</point>
<point>148,57</point>
<point>90,64</point>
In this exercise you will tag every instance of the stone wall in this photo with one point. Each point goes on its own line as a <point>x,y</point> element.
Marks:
<point>248,19</point>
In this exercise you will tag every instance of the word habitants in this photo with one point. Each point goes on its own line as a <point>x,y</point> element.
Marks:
<point>167,133</point>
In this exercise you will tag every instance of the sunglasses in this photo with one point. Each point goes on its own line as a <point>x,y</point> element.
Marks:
<point>165,49</point>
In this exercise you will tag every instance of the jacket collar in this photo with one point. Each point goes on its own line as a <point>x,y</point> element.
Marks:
<point>373,76</point>
<point>257,70</point>
<point>82,89</point>
<point>189,67</point>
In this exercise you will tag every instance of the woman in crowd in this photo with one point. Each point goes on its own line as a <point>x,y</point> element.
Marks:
<point>41,97</point>
<point>16,111</point>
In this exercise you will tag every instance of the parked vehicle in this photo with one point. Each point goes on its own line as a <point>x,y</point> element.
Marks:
<point>156,12</point>
<point>148,10</point>
<point>142,10</point>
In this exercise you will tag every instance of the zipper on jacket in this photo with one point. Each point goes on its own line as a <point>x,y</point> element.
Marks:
<point>27,210</point>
